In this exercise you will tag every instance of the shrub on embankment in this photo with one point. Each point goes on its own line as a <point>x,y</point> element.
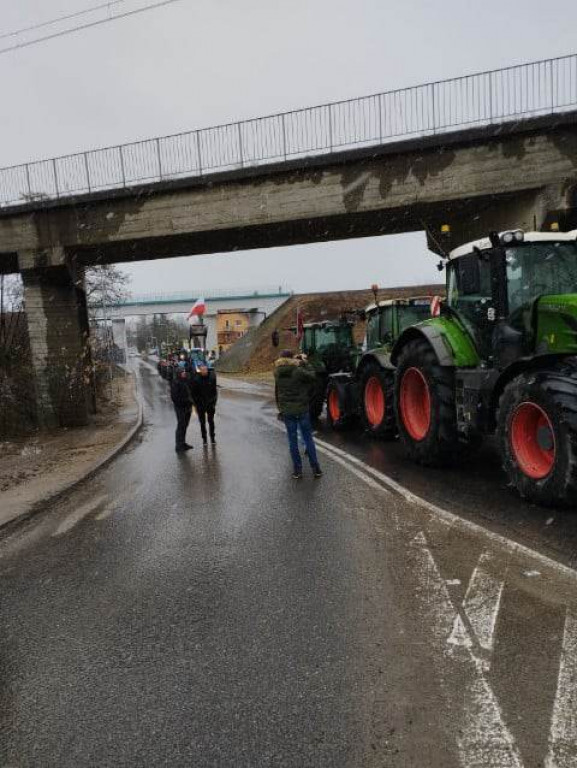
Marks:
<point>255,353</point>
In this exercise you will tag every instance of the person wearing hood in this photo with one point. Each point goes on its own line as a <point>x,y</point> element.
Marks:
<point>204,395</point>
<point>295,380</point>
<point>182,401</point>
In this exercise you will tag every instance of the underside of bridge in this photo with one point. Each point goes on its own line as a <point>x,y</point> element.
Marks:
<point>514,175</point>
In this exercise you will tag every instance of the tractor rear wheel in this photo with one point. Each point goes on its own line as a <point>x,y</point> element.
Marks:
<point>537,433</point>
<point>338,408</point>
<point>425,405</point>
<point>377,401</point>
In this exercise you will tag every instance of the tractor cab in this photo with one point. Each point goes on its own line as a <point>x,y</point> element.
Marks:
<point>329,344</point>
<point>516,294</point>
<point>388,319</point>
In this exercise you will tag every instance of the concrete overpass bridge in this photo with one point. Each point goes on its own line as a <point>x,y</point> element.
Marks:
<point>491,150</point>
<point>264,300</point>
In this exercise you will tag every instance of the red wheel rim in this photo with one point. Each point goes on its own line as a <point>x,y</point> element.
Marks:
<point>333,405</point>
<point>532,440</point>
<point>415,404</point>
<point>374,401</point>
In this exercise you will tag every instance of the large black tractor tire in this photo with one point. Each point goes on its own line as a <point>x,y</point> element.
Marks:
<point>537,434</point>
<point>425,406</point>
<point>339,413</point>
<point>377,406</point>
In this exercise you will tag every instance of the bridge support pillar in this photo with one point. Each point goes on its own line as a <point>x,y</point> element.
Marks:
<point>57,318</point>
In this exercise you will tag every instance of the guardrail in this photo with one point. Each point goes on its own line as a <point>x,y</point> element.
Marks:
<point>485,98</point>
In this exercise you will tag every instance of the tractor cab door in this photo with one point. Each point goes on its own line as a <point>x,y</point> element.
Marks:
<point>379,328</point>
<point>308,342</point>
<point>470,297</point>
<point>387,326</point>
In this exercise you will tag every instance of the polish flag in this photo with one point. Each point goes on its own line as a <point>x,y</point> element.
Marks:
<point>198,308</point>
<point>300,324</point>
<point>436,306</point>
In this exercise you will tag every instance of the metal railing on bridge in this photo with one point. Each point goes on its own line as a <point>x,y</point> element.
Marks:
<point>482,99</point>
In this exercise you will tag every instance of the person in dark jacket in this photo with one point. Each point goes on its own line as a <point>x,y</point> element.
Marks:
<point>204,396</point>
<point>295,381</point>
<point>182,401</point>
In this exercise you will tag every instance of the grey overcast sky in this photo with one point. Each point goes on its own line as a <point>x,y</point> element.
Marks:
<point>202,62</point>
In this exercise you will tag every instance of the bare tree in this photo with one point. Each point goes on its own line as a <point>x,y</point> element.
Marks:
<point>16,405</point>
<point>106,286</point>
<point>11,315</point>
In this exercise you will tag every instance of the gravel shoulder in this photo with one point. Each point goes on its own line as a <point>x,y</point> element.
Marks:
<point>35,468</point>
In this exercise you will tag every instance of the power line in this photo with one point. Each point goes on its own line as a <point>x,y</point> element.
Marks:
<point>88,25</point>
<point>59,19</point>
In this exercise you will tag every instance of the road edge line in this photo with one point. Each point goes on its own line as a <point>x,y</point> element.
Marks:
<point>451,519</point>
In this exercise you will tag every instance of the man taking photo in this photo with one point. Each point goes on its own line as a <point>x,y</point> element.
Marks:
<point>295,380</point>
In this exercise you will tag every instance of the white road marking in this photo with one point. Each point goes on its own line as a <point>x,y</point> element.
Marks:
<point>455,521</point>
<point>483,739</point>
<point>361,475</point>
<point>563,735</point>
<point>321,449</point>
<point>485,742</point>
<point>79,513</point>
<point>481,607</point>
<point>106,512</point>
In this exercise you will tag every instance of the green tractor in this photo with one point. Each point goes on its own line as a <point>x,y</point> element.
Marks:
<point>330,347</point>
<point>500,358</point>
<point>367,389</point>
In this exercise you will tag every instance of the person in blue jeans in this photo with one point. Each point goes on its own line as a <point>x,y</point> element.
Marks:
<point>295,380</point>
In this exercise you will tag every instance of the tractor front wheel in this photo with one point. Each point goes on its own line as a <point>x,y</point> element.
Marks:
<point>377,402</point>
<point>537,433</point>
<point>425,405</point>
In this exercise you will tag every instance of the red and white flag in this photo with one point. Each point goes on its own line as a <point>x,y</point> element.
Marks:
<point>436,306</point>
<point>198,308</point>
<point>300,324</point>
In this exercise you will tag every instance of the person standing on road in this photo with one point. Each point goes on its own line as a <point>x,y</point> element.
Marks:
<point>182,401</point>
<point>204,396</point>
<point>295,380</point>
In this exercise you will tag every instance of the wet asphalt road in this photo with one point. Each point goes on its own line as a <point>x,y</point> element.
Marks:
<point>205,610</point>
<point>476,489</point>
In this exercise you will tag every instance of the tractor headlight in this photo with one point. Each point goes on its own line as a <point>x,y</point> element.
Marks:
<point>519,235</point>
<point>507,237</point>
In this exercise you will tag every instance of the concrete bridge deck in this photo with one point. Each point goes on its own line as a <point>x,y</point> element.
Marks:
<point>516,167</point>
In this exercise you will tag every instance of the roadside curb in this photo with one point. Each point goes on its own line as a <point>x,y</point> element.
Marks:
<point>102,462</point>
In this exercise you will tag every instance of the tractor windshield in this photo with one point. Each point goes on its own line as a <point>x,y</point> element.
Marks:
<point>535,269</point>
<point>334,335</point>
<point>413,314</point>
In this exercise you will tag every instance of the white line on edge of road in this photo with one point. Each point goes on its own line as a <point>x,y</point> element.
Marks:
<point>322,449</point>
<point>452,519</point>
<point>563,735</point>
<point>483,739</point>
<point>481,607</point>
<point>79,513</point>
<point>485,734</point>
